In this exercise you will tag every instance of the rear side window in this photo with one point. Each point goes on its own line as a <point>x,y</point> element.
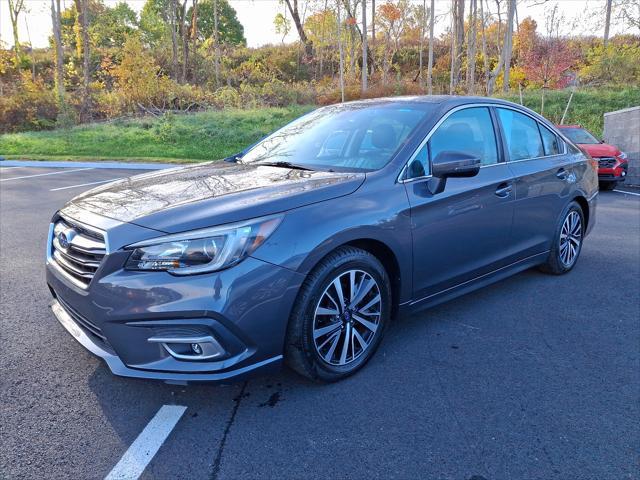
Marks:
<point>521,135</point>
<point>550,141</point>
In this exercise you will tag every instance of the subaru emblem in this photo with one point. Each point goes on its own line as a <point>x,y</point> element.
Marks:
<point>62,240</point>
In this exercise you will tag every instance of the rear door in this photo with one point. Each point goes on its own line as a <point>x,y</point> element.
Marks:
<point>463,232</point>
<point>544,179</point>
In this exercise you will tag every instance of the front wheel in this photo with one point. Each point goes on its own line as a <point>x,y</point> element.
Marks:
<point>607,185</point>
<point>339,316</point>
<point>567,243</point>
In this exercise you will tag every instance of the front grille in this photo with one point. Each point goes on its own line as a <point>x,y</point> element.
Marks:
<point>77,250</point>
<point>606,162</point>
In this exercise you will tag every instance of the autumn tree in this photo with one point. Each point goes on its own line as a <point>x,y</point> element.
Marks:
<point>15,8</point>
<point>549,58</point>
<point>391,21</point>
<point>292,5</point>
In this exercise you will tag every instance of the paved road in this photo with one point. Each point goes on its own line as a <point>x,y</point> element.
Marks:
<point>534,377</point>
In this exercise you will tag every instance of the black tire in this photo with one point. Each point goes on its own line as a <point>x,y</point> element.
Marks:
<point>607,185</point>
<point>301,351</point>
<point>555,264</point>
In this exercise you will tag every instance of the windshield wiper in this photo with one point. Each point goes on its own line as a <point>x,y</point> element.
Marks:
<point>293,166</point>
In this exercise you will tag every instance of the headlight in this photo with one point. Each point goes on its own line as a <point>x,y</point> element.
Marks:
<point>622,156</point>
<point>204,250</point>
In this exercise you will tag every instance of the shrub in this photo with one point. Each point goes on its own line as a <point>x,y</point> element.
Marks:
<point>31,107</point>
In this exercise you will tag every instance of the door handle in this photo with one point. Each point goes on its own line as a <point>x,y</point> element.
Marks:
<point>504,190</point>
<point>562,174</point>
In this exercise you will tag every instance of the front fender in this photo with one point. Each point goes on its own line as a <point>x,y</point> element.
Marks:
<point>308,234</point>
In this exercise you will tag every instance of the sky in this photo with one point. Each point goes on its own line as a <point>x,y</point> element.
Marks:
<point>582,17</point>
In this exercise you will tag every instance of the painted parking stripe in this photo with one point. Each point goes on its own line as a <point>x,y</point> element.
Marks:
<point>84,184</point>
<point>44,174</point>
<point>144,448</point>
<point>628,193</point>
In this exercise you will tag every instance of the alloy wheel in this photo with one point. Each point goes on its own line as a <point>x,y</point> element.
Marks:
<point>347,317</point>
<point>570,238</point>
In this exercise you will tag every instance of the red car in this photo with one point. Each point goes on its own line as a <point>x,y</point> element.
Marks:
<point>612,163</point>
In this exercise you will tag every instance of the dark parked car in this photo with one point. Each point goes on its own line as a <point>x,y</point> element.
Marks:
<point>304,246</point>
<point>612,163</point>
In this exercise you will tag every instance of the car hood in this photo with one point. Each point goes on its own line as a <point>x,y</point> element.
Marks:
<point>600,149</point>
<point>204,195</point>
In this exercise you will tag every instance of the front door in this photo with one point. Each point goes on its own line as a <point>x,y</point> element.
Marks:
<point>464,231</point>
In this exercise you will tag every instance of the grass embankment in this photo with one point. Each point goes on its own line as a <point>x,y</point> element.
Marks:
<point>587,108</point>
<point>217,134</point>
<point>172,138</point>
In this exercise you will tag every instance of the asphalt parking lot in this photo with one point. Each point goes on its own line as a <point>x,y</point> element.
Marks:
<point>535,377</point>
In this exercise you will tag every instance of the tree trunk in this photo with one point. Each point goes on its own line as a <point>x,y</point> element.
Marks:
<point>457,42</point>
<point>216,38</point>
<point>15,7</point>
<point>184,33</point>
<point>421,49</point>
<point>57,35</point>
<point>505,55</point>
<point>373,24</point>
<point>471,47</point>
<point>431,35</point>
<point>607,24</point>
<point>508,47</point>
<point>194,33</point>
<point>83,50</point>
<point>365,63</point>
<point>295,15</point>
<point>33,57</point>
<point>173,7</point>
<point>341,50</point>
<point>485,59</point>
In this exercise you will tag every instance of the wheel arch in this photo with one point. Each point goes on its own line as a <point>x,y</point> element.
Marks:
<point>584,205</point>
<point>396,266</point>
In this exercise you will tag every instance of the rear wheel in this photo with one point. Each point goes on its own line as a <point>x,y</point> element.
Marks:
<point>339,317</point>
<point>567,243</point>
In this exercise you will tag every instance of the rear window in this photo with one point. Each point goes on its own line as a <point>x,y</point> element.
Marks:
<point>550,141</point>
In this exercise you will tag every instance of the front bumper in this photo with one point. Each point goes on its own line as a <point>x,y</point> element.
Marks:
<point>615,174</point>
<point>245,308</point>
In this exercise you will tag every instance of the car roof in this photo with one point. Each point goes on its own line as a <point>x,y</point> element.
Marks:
<point>437,99</point>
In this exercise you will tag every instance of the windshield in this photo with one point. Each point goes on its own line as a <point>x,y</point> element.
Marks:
<point>358,137</point>
<point>580,135</point>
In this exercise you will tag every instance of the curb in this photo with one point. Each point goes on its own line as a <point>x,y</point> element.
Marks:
<point>104,165</point>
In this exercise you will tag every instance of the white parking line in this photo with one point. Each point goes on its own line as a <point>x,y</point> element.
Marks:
<point>628,193</point>
<point>144,448</point>
<point>43,174</point>
<point>84,184</point>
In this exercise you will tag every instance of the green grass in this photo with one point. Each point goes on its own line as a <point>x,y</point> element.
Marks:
<point>173,138</point>
<point>587,108</point>
<point>218,134</point>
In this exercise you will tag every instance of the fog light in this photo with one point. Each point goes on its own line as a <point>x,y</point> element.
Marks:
<point>190,348</point>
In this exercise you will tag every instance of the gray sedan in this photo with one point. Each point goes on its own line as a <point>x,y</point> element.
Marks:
<point>303,247</point>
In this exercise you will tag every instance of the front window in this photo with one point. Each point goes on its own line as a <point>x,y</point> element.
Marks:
<point>580,136</point>
<point>468,131</point>
<point>356,137</point>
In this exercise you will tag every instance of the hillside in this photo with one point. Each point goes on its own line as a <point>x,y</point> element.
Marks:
<point>216,134</point>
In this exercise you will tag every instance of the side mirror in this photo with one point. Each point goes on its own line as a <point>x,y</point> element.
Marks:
<point>451,164</point>
<point>234,158</point>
